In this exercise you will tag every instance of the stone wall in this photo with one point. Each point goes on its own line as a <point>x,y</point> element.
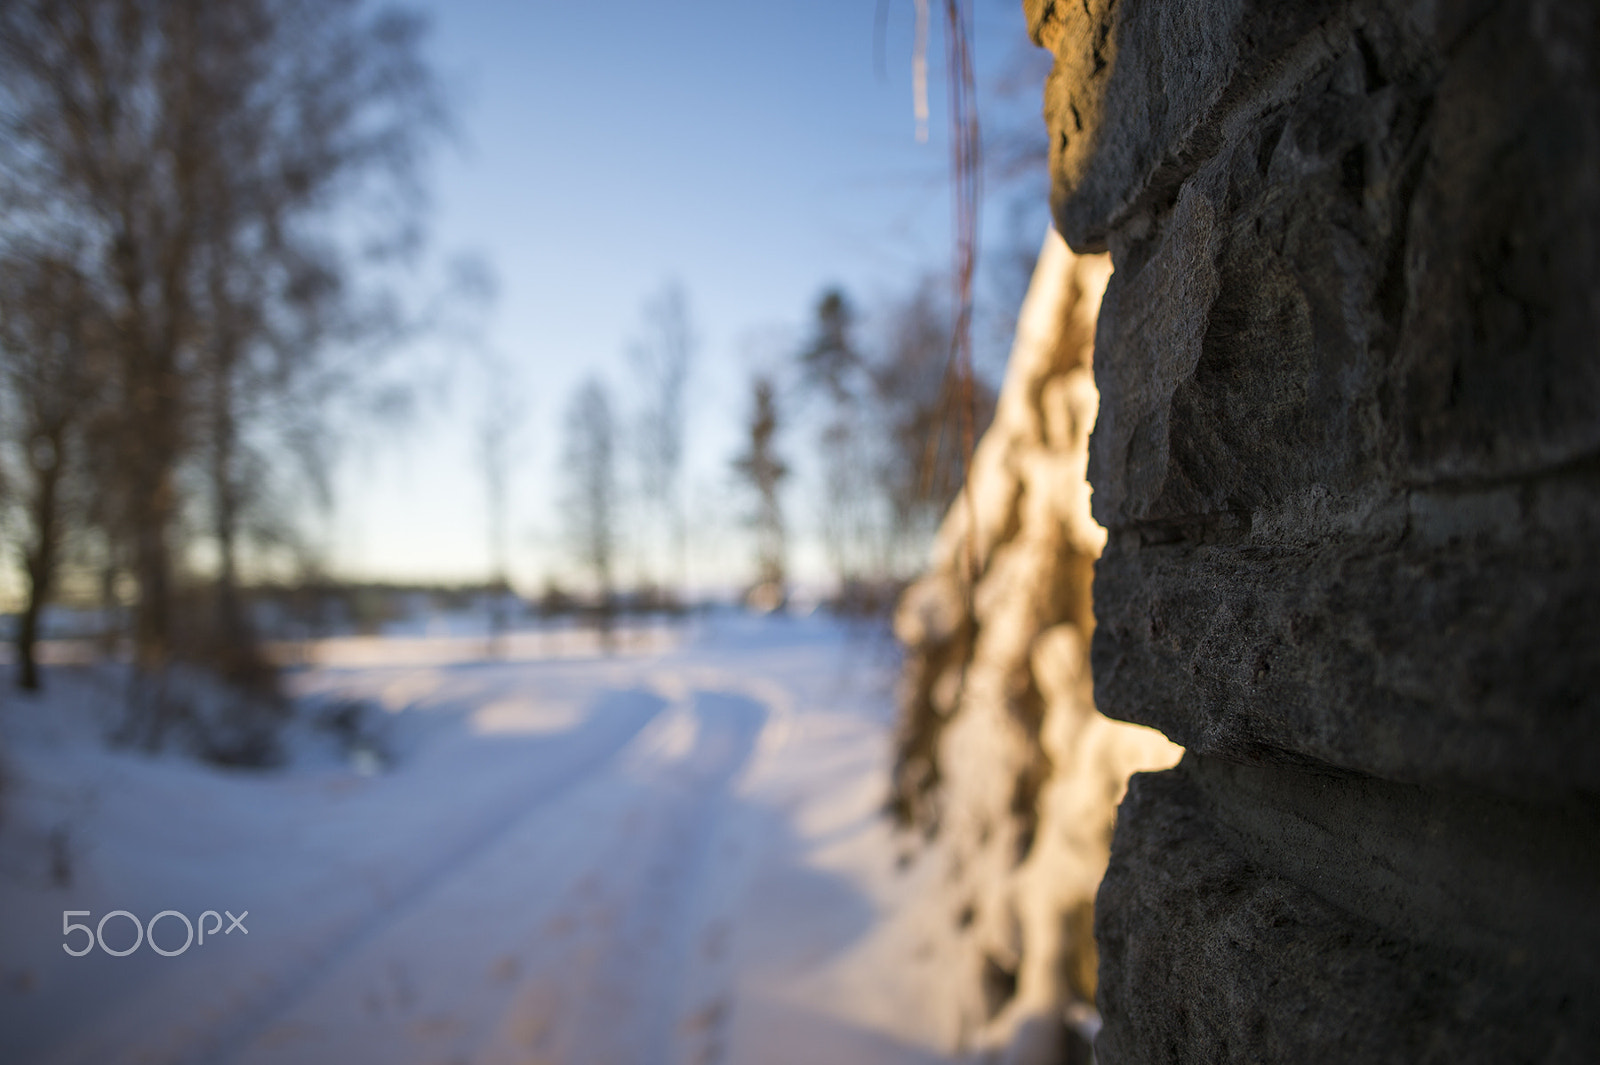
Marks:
<point>1001,755</point>
<point>1348,458</point>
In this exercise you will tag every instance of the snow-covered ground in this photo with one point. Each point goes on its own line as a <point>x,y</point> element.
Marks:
<point>672,854</point>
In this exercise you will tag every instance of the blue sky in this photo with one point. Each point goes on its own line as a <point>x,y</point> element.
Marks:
<point>750,151</point>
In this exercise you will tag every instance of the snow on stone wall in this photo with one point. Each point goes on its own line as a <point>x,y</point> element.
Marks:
<point>1001,754</point>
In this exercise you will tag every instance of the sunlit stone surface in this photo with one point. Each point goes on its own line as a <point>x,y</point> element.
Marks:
<point>1001,753</point>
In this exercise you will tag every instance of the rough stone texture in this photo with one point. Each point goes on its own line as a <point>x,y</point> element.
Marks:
<point>1118,148</point>
<point>1348,458</point>
<point>1001,753</point>
<point>1211,956</point>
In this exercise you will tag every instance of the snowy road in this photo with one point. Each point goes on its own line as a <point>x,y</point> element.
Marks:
<point>670,856</point>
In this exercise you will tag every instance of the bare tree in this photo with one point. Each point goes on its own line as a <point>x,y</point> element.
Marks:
<point>663,359</point>
<point>830,361</point>
<point>331,99</point>
<point>835,370</point>
<point>591,498</point>
<point>850,510</point>
<point>922,462</point>
<point>498,420</point>
<point>48,337</point>
<point>191,154</point>
<point>891,442</point>
<point>764,471</point>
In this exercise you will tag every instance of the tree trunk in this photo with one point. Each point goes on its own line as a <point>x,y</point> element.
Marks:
<point>153,507</point>
<point>110,608</point>
<point>40,560</point>
<point>225,509</point>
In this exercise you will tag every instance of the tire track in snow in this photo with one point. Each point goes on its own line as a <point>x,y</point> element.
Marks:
<point>630,996</point>
<point>607,739</point>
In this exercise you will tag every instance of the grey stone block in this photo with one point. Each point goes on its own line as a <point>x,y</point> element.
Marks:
<point>1210,956</point>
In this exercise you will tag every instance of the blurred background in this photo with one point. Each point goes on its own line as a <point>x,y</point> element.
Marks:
<point>518,233</point>
<point>427,428</point>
